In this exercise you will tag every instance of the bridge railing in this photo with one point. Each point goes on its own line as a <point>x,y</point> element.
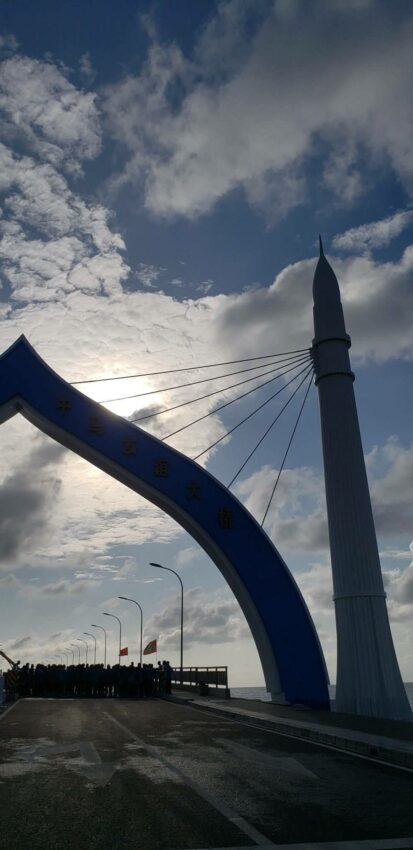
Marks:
<point>202,680</point>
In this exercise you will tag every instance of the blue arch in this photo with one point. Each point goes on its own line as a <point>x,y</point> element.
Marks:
<point>281,625</point>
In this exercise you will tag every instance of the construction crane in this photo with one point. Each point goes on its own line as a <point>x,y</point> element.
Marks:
<point>14,664</point>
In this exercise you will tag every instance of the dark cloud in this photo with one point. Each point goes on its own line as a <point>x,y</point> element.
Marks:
<point>26,498</point>
<point>20,642</point>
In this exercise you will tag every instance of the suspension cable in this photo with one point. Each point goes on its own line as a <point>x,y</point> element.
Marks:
<point>202,380</point>
<point>231,401</point>
<point>269,428</point>
<point>257,409</point>
<point>287,449</point>
<point>189,368</point>
<point>215,392</point>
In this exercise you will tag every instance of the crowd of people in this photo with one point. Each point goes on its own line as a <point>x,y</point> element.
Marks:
<point>95,680</point>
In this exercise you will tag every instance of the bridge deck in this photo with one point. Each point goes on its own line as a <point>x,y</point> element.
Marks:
<point>152,774</point>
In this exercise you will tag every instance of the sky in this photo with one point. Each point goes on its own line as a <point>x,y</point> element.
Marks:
<point>166,168</point>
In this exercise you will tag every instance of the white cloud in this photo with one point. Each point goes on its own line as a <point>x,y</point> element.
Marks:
<point>148,274</point>
<point>52,241</point>
<point>186,556</point>
<point>42,109</point>
<point>251,120</point>
<point>375,234</point>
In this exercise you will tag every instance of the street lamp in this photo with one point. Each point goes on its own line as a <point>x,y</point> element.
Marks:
<point>66,654</point>
<point>160,567</point>
<point>92,636</point>
<point>86,645</point>
<point>95,626</point>
<point>78,649</point>
<point>57,655</point>
<point>126,598</point>
<point>105,613</point>
<point>73,655</point>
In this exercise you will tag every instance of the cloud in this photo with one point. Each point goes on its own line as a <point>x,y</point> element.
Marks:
<point>86,68</point>
<point>51,240</point>
<point>186,556</point>
<point>297,521</point>
<point>148,274</point>
<point>391,491</point>
<point>376,234</point>
<point>42,109</point>
<point>309,78</point>
<point>377,300</point>
<point>18,644</point>
<point>212,620</point>
<point>26,502</point>
<point>8,44</point>
<point>64,588</point>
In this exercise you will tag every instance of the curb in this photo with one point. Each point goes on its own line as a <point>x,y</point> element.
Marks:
<point>349,742</point>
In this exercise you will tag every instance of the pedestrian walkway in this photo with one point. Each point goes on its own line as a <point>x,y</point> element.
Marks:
<point>390,741</point>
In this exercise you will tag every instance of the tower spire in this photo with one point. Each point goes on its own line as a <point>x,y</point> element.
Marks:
<point>368,675</point>
<point>320,241</point>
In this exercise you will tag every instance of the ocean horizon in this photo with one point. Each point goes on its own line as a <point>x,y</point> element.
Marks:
<point>260,693</point>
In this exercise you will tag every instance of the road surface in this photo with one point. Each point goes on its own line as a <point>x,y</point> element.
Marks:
<point>108,774</point>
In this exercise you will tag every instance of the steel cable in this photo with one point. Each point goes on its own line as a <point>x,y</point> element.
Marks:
<point>257,409</point>
<point>233,400</point>
<point>221,390</point>
<point>288,448</point>
<point>269,428</point>
<point>189,368</point>
<point>201,380</point>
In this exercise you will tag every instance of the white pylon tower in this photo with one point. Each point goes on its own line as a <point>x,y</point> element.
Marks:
<point>368,675</point>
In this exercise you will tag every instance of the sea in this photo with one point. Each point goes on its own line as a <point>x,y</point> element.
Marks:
<point>262,695</point>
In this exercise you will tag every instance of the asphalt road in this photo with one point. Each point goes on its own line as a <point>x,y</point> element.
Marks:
<point>83,775</point>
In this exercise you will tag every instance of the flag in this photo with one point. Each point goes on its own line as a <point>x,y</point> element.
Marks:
<point>150,647</point>
<point>124,651</point>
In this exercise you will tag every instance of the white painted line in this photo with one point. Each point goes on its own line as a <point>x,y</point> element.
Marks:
<point>243,825</point>
<point>6,711</point>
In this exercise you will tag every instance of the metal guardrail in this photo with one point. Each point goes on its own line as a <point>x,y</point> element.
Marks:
<point>201,679</point>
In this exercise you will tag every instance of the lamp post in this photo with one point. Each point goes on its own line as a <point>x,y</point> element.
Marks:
<point>160,567</point>
<point>66,654</point>
<point>73,655</point>
<point>78,649</point>
<point>127,599</point>
<point>57,655</point>
<point>92,636</point>
<point>95,626</point>
<point>86,645</point>
<point>105,613</point>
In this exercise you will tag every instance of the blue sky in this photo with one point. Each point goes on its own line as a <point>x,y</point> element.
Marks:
<point>165,171</point>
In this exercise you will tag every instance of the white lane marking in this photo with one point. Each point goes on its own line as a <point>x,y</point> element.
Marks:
<point>305,741</point>
<point>275,762</point>
<point>243,825</point>
<point>7,710</point>
<point>89,764</point>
